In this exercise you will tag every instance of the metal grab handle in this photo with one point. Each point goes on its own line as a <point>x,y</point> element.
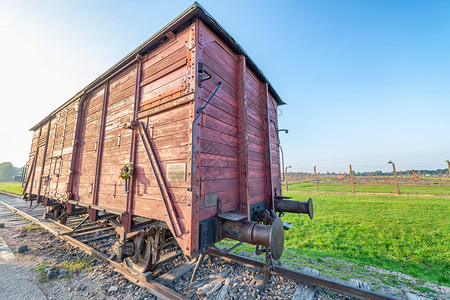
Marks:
<point>54,166</point>
<point>281,148</point>
<point>24,173</point>
<point>199,112</point>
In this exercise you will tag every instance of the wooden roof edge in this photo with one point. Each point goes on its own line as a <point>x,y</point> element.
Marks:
<point>231,42</point>
<point>195,10</point>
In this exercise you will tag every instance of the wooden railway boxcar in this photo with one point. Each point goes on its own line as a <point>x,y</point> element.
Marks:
<point>193,117</point>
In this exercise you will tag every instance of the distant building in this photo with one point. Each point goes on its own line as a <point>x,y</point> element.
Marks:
<point>17,178</point>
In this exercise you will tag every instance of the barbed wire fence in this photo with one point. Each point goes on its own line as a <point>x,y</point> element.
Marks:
<point>403,174</point>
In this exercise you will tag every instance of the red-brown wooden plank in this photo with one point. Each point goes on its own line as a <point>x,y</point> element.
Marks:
<point>244,197</point>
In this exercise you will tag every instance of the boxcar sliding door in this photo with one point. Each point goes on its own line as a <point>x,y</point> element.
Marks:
<point>116,147</point>
<point>87,160</point>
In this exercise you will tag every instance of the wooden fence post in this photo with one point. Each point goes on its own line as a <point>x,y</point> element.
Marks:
<point>315,178</point>
<point>353,179</point>
<point>395,177</point>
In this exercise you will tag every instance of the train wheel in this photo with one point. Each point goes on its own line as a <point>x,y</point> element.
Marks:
<point>57,213</point>
<point>142,261</point>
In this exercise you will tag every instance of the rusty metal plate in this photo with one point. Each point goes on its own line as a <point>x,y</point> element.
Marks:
<point>210,200</point>
<point>176,172</point>
<point>232,216</point>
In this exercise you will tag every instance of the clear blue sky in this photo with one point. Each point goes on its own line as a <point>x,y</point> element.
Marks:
<point>365,81</point>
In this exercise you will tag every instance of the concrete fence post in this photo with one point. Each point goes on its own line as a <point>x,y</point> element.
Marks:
<point>395,177</point>
<point>352,179</point>
<point>286,179</point>
<point>315,178</point>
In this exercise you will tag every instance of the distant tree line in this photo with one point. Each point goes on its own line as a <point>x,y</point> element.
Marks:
<point>8,171</point>
<point>405,173</point>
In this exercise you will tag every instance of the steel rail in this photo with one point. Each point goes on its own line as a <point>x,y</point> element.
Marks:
<point>11,194</point>
<point>155,288</point>
<point>329,285</point>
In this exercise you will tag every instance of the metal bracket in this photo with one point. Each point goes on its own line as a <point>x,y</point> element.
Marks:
<point>207,233</point>
<point>219,206</point>
<point>256,211</point>
<point>202,70</point>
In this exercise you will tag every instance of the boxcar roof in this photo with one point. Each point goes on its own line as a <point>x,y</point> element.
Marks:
<point>195,10</point>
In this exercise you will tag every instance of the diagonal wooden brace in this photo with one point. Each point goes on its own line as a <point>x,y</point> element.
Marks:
<point>160,179</point>
<point>28,175</point>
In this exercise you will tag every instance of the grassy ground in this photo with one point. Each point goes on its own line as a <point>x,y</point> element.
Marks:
<point>444,178</point>
<point>410,235</point>
<point>11,187</point>
<point>367,188</point>
<point>404,234</point>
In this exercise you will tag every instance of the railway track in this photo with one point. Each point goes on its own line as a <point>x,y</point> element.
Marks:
<point>96,239</point>
<point>85,240</point>
<point>339,288</point>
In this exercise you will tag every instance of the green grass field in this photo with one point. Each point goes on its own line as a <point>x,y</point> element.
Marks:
<point>367,188</point>
<point>406,234</point>
<point>11,187</point>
